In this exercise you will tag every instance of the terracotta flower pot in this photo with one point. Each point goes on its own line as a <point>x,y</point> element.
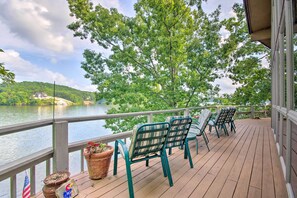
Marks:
<point>53,182</point>
<point>98,163</point>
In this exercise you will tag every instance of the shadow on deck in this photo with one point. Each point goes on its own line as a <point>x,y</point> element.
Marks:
<point>244,164</point>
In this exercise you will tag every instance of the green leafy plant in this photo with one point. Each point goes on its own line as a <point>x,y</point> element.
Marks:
<point>6,76</point>
<point>93,147</point>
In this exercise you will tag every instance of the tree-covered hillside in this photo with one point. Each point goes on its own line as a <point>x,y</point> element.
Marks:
<point>22,93</point>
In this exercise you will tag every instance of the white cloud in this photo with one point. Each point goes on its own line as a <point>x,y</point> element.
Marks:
<point>109,4</point>
<point>87,87</point>
<point>231,13</point>
<point>26,71</point>
<point>226,85</point>
<point>54,60</point>
<point>265,63</point>
<point>35,23</point>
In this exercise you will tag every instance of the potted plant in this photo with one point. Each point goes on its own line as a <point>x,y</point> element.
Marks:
<point>53,182</point>
<point>98,156</point>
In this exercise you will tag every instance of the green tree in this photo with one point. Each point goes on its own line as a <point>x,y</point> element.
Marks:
<point>244,59</point>
<point>166,56</point>
<point>5,75</point>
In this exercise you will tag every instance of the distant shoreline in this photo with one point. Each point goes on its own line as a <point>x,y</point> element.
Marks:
<point>42,94</point>
<point>85,103</point>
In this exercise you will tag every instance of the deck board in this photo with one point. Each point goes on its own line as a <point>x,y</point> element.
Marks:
<point>216,187</point>
<point>280,190</point>
<point>244,179</point>
<point>243,164</point>
<point>254,192</point>
<point>267,179</point>
<point>256,179</point>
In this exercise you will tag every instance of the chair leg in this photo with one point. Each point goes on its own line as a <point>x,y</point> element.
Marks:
<point>189,154</point>
<point>217,131</point>
<point>196,145</point>
<point>225,129</point>
<point>147,163</point>
<point>129,178</point>
<point>185,154</point>
<point>167,168</point>
<point>163,166</point>
<point>170,151</point>
<point>233,126</point>
<point>209,128</point>
<point>115,160</point>
<point>206,142</point>
<point>204,133</point>
<point>181,147</point>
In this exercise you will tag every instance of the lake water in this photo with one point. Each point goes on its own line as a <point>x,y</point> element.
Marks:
<point>17,145</point>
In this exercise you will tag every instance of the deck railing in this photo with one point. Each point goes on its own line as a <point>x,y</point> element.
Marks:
<point>60,160</point>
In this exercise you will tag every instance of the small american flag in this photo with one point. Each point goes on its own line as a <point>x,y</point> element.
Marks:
<point>26,190</point>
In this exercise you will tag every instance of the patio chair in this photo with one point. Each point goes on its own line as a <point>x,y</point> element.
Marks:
<point>219,122</point>
<point>177,137</point>
<point>198,128</point>
<point>230,120</point>
<point>148,141</point>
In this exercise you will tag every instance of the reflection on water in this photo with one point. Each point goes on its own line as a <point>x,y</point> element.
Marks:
<point>17,145</point>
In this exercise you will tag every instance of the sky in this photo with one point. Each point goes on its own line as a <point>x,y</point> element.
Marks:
<point>39,47</point>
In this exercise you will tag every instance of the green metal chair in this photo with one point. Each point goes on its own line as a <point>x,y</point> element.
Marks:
<point>198,128</point>
<point>148,141</point>
<point>179,128</point>
<point>219,122</point>
<point>229,119</point>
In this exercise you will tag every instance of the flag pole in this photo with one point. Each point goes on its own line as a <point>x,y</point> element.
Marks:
<point>27,187</point>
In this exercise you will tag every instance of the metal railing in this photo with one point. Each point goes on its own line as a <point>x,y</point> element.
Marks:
<point>60,142</point>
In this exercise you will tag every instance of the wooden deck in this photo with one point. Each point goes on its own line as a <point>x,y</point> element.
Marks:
<point>244,164</point>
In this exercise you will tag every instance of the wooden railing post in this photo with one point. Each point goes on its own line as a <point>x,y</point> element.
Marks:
<point>13,192</point>
<point>32,180</point>
<point>82,161</point>
<point>252,112</point>
<point>150,118</point>
<point>217,109</point>
<point>48,167</point>
<point>60,146</point>
<point>186,112</point>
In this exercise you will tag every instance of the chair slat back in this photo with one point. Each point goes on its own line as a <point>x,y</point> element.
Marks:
<point>148,139</point>
<point>179,128</point>
<point>220,119</point>
<point>203,119</point>
<point>230,115</point>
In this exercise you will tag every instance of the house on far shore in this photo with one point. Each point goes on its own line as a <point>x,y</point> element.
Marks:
<point>40,95</point>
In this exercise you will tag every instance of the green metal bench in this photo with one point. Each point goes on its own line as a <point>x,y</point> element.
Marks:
<point>148,141</point>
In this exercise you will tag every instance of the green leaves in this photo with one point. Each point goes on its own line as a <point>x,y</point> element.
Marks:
<point>6,76</point>
<point>166,44</point>
<point>244,60</point>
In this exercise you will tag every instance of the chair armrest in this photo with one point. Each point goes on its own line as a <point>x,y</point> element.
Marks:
<point>123,148</point>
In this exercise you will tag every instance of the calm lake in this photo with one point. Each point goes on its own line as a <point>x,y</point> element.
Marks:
<point>21,144</point>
